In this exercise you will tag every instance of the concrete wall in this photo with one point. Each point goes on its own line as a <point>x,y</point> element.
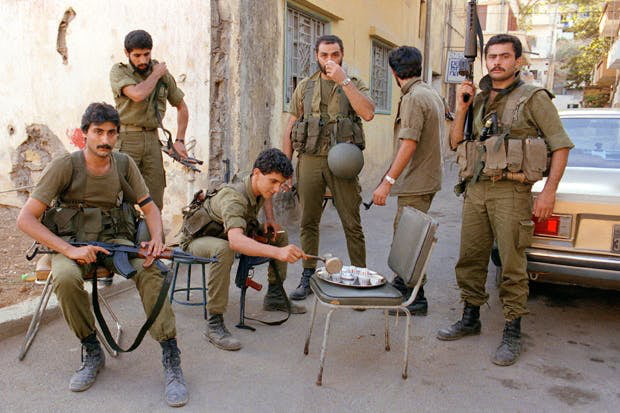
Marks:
<point>38,88</point>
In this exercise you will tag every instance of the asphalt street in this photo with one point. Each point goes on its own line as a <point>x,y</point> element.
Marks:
<point>570,360</point>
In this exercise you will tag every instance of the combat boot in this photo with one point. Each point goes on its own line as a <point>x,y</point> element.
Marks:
<point>218,334</point>
<point>276,300</point>
<point>93,360</point>
<point>468,325</point>
<point>303,289</point>
<point>418,307</point>
<point>176,389</point>
<point>508,351</point>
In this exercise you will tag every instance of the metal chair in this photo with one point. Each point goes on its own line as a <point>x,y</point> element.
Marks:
<point>188,289</point>
<point>35,323</point>
<point>411,248</point>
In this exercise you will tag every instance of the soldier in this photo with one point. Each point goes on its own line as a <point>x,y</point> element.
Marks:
<point>87,188</point>
<point>224,221</point>
<point>326,109</point>
<point>140,90</point>
<point>415,173</point>
<point>498,169</point>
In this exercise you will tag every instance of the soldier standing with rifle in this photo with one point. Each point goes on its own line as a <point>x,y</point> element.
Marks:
<point>514,126</point>
<point>87,189</point>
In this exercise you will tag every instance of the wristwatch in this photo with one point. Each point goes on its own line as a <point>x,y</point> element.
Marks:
<point>390,180</point>
<point>346,81</point>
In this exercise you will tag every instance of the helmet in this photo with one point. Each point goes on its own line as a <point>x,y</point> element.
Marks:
<point>345,160</point>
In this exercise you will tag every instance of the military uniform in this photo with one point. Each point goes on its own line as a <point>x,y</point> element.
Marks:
<point>336,121</point>
<point>138,134</point>
<point>232,206</point>
<point>502,209</point>
<point>103,193</point>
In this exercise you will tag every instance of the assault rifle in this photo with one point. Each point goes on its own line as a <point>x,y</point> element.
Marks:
<point>122,253</point>
<point>466,65</point>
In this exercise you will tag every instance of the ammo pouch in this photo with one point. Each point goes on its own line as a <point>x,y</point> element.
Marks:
<point>298,134</point>
<point>527,156</point>
<point>350,130</point>
<point>534,158</point>
<point>124,221</point>
<point>495,155</point>
<point>197,222</point>
<point>80,224</point>
<point>466,157</point>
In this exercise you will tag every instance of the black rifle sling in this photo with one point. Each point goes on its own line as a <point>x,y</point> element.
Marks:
<point>288,303</point>
<point>161,298</point>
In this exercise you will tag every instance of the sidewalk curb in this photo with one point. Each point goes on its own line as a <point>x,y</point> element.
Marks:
<point>16,318</point>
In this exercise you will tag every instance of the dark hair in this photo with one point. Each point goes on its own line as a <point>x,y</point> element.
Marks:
<point>99,113</point>
<point>329,39</point>
<point>138,39</point>
<point>406,61</point>
<point>505,38</point>
<point>274,160</point>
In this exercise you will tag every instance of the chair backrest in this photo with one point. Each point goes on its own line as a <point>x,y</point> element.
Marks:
<point>412,244</point>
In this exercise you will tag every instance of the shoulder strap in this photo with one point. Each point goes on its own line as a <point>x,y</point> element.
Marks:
<point>122,169</point>
<point>518,96</point>
<point>308,93</point>
<point>78,174</point>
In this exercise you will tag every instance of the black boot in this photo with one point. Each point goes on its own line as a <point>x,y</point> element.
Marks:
<point>508,351</point>
<point>93,360</point>
<point>276,300</point>
<point>303,289</point>
<point>175,390</point>
<point>468,325</point>
<point>418,307</point>
<point>218,334</point>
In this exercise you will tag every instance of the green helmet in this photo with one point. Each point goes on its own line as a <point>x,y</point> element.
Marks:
<point>345,160</point>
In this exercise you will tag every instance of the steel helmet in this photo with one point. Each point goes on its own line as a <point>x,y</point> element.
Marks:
<point>345,160</point>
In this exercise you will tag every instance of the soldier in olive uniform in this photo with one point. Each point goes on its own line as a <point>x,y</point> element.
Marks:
<point>228,220</point>
<point>140,90</point>
<point>498,198</point>
<point>89,187</point>
<point>325,109</point>
<point>415,173</point>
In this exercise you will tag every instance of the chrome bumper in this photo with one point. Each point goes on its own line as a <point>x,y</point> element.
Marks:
<point>573,265</point>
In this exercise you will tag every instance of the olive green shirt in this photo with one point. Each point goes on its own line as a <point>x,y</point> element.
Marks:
<point>235,205</point>
<point>101,191</point>
<point>142,113</point>
<point>539,117</point>
<point>420,117</point>
<point>329,89</point>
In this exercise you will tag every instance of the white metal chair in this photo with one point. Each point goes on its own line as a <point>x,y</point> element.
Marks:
<point>411,248</point>
<point>35,323</point>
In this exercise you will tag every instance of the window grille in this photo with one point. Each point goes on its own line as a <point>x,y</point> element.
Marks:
<point>380,80</point>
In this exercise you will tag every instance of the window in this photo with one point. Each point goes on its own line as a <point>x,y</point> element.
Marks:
<point>380,78</point>
<point>302,30</point>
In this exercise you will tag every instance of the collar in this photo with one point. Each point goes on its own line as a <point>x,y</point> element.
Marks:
<point>135,70</point>
<point>486,84</point>
<point>248,190</point>
<point>409,84</point>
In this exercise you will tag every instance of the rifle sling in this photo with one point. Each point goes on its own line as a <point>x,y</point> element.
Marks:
<point>280,284</point>
<point>161,298</point>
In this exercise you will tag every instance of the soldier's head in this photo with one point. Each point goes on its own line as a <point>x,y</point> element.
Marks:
<point>328,47</point>
<point>503,56</point>
<point>271,169</point>
<point>138,45</point>
<point>100,124</point>
<point>405,62</point>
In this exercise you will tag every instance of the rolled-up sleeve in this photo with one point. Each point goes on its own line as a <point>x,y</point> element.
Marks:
<point>119,78</point>
<point>412,112</point>
<point>548,122</point>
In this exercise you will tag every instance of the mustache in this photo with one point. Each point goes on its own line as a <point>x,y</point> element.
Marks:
<point>104,146</point>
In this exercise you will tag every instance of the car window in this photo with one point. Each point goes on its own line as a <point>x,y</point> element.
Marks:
<point>597,142</point>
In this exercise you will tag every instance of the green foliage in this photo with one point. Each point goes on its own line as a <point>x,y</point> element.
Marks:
<point>596,100</point>
<point>581,65</point>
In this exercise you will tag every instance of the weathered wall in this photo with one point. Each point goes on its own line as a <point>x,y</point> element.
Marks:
<point>38,87</point>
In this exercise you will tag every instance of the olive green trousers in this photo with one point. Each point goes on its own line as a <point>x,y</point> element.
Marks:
<point>502,211</point>
<point>313,176</point>
<point>68,286</point>
<point>219,272</point>
<point>145,149</point>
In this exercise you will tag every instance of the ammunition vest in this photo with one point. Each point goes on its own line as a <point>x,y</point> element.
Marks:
<point>340,124</point>
<point>517,152</point>
<point>75,220</point>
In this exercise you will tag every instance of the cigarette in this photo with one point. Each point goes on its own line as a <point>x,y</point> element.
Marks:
<point>280,232</point>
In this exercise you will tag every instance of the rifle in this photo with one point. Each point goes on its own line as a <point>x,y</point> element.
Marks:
<point>466,65</point>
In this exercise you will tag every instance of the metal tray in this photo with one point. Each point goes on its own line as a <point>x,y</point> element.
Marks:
<point>321,272</point>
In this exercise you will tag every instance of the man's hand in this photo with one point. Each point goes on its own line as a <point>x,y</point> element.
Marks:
<point>154,248</point>
<point>335,72</point>
<point>465,88</point>
<point>543,204</point>
<point>271,224</point>
<point>287,186</point>
<point>159,69</point>
<point>291,253</point>
<point>381,193</point>
<point>179,146</point>
<point>86,254</point>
